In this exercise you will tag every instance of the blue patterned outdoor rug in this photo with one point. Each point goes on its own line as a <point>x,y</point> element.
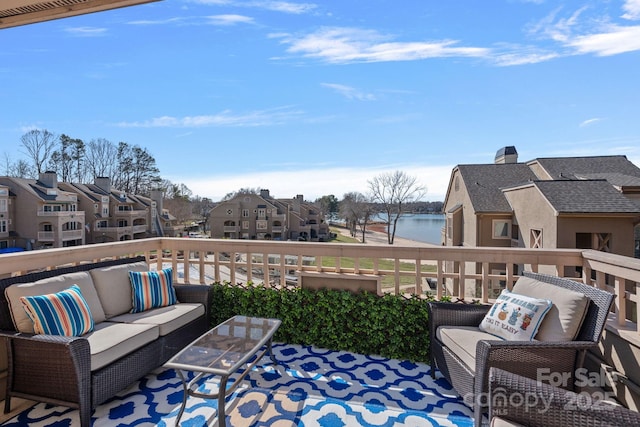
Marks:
<point>308,387</point>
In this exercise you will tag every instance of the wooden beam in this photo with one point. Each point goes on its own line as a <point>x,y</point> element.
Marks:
<point>22,12</point>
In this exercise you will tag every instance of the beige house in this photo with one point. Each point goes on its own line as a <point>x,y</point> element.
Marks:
<point>43,214</point>
<point>573,202</point>
<point>261,217</point>
<point>7,235</point>
<point>111,215</point>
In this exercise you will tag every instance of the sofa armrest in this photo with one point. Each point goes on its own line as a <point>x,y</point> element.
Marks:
<point>195,294</point>
<point>453,314</point>
<point>529,402</point>
<point>56,367</point>
<point>532,359</point>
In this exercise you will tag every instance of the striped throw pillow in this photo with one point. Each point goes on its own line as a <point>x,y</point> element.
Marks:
<point>62,313</point>
<point>152,289</point>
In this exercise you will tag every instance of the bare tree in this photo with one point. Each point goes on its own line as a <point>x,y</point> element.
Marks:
<point>18,169</point>
<point>100,158</point>
<point>241,191</point>
<point>202,207</point>
<point>39,145</point>
<point>357,210</point>
<point>393,191</point>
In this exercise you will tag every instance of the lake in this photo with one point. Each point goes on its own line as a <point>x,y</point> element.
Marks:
<point>421,227</point>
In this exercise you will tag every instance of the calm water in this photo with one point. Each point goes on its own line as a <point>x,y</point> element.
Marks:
<point>421,227</point>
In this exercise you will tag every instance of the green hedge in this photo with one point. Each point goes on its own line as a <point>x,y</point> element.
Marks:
<point>390,326</point>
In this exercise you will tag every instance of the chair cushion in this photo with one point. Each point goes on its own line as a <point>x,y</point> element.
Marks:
<point>565,317</point>
<point>62,313</point>
<point>515,317</point>
<point>462,341</point>
<point>114,287</point>
<point>501,422</point>
<point>110,341</point>
<point>152,289</point>
<point>83,279</point>
<point>168,319</point>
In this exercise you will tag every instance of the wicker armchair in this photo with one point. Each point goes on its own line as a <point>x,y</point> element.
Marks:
<point>523,357</point>
<point>516,400</point>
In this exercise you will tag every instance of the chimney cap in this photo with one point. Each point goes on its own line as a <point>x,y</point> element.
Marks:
<point>507,154</point>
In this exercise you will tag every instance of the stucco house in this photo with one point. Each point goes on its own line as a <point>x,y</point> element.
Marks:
<point>262,217</point>
<point>43,215</point>
<point>572,202</point>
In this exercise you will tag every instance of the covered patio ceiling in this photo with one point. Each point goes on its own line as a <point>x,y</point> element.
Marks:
<point>21,12</point>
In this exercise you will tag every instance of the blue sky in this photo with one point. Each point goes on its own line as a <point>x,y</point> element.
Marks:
<point>317,98</point>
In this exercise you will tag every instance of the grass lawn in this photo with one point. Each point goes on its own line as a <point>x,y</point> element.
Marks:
<point>383,264</point>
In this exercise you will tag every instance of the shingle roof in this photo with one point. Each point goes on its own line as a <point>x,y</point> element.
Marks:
<point>574,167</point>
<point>586,196</point>
<point>614,178</point>
<point>483,183</point>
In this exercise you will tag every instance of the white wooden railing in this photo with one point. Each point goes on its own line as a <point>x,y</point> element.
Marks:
<point>404,269</point>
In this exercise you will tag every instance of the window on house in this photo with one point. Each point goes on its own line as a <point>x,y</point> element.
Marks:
<point>261,225</point>
<point>245,225</point>
<point>245,213</point>
<point>47,227</point>
<point>262,213</point>
<point>501,229</point>
<point>3,226</point>
<point>535,239</point>
<point>3,205</point>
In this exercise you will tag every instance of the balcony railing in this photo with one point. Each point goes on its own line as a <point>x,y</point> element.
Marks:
<point>405,269</point>
<point>72,234</point>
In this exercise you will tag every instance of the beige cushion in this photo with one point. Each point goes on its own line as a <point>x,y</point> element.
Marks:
<point>462,341</point>
<point>167,318</point>
<point>114,287</point>
<point>562,322</point>
<point>500,422</point>
<point>51,285</point>
<point>110,341</point>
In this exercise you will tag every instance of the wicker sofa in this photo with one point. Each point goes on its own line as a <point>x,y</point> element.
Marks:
<point>518,401</point>
<point>464,353</point>
<point>84,371</point>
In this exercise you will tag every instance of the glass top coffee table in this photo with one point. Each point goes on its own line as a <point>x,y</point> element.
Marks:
<point>222,351</point>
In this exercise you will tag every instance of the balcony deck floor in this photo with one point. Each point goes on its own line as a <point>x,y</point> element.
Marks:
<point>309,386</point>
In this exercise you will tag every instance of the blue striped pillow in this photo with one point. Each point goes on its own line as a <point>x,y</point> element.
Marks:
<point>63,313</point>
<point>152,289</point>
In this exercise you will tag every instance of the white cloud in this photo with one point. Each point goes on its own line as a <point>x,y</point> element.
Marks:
<point>614,41</point>
<point>350,92</point>
<point>225,20</point>
<point>276,6</point>
<point>225,118</point>
<point>347,45</point>
<point>86,31</point>
<point>336,181</point>
<point>589,122</point>
<point>632,10</point>
<point>522,56</point>
<point>156,22</point>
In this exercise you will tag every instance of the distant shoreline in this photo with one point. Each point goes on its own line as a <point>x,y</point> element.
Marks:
<point>376,234</point>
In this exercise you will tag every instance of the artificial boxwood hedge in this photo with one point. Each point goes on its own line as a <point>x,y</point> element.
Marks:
<point>392,326</point>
